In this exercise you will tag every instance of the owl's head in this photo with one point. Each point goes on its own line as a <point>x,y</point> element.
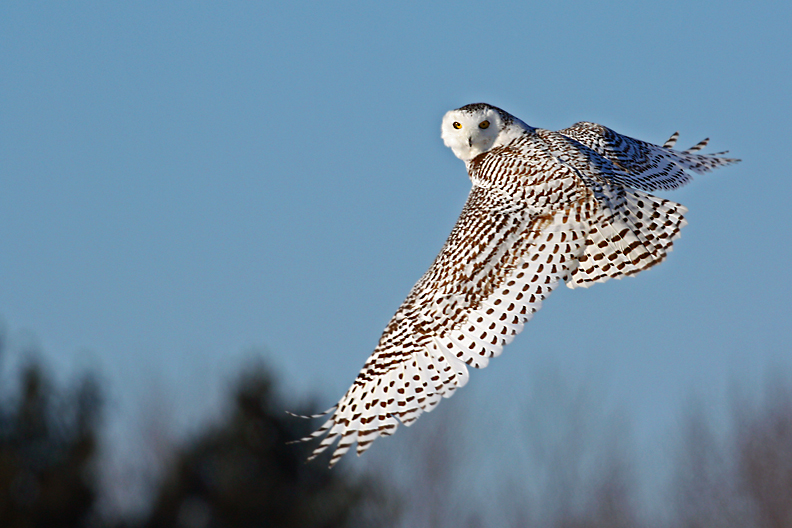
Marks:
<point>476,128</point>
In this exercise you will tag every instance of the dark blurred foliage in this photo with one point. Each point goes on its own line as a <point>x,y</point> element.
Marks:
<point>245,473</point>
<point>242,472</point>
<point>48,445</point>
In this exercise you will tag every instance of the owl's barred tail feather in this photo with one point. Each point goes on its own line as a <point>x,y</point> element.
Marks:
<point>634,237</point>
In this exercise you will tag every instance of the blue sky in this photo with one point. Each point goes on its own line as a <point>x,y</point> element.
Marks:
<point>184,183</point>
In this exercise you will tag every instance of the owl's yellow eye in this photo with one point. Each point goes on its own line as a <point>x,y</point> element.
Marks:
<point>457,125</point>
<point>484,124</point>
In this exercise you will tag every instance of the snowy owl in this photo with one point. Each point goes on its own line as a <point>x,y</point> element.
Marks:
<point>545,208</point>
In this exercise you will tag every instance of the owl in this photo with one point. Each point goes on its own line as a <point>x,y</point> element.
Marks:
<point>545,208</point>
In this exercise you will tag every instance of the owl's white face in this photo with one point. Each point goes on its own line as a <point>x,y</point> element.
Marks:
<point>474,129</point>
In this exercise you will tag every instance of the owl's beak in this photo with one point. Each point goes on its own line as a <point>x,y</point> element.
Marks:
<point>470,141</point>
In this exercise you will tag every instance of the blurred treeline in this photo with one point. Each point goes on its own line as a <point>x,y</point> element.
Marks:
<point>242,472</point>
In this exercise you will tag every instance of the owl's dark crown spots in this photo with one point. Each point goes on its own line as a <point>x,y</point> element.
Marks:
<point>480,107</point>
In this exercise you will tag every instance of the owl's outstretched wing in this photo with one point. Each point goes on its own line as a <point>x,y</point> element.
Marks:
<point>642,165</point>
<point>498,264</point>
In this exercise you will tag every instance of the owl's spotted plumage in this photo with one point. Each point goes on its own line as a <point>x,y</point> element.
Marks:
<point>545,208</point>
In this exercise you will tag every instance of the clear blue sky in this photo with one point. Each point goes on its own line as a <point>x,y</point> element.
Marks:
<point>184,182</point>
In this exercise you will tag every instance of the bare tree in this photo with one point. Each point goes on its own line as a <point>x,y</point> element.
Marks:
<point>705,492</point>
<point>578,452</point>
<point>764,446</point>
<point>571,468</point>
<point>740,476</point>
